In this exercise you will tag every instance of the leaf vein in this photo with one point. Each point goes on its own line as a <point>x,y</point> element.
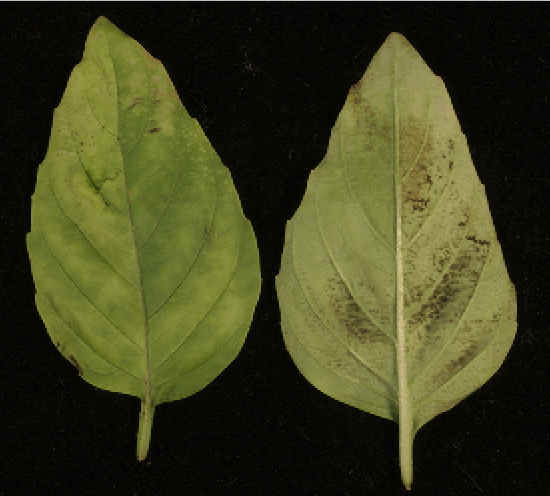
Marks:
<point>451,334</point>
<point>202,319</point>
<point>84,294</point>
<point>172,193</point>
<point>86,343</point>
<point>344,278</point>
<point>353,199</point>
<point>197,255</point>
<point>422,145</point>
<point>332,331</point>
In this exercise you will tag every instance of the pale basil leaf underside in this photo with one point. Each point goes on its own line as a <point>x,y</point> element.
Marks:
<point>146,270</point>
<point>393,291</point>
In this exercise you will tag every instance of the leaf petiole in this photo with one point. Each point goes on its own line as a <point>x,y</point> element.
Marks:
<point>144,429</point>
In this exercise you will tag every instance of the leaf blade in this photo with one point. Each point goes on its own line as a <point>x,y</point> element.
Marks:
<point>401,255</point>
<point>137,234</point>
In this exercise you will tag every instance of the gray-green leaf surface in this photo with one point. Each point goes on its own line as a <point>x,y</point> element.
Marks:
<point>393,290</point>
<point>146,270</point>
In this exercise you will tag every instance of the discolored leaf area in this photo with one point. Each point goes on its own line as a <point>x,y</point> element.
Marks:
<point>393,290</point>
<point>146,270</point>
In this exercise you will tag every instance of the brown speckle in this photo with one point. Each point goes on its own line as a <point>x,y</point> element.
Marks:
<point>154,130</point>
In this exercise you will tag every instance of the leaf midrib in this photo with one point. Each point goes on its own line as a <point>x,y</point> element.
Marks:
<point>405,420</point>
<point>146,347</point>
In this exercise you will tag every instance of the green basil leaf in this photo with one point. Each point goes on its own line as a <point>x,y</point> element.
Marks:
<point>146,270</point>
<point>393,291</point>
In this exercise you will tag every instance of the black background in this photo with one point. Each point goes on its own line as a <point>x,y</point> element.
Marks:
<point>266,82</point>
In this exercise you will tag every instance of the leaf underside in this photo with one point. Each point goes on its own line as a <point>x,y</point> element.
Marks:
<point>146,270</point>
<point>393,291</point>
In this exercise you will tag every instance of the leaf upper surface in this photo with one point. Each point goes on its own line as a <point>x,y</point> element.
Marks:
<point>146,270</point>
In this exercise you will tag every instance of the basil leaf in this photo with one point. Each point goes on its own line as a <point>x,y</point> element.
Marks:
<point>146,270</point>
<point>393,291</point>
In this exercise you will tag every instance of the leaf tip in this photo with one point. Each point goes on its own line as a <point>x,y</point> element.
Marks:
<point>395,34</point>
<point>398,38</point>
<point>101,20</point>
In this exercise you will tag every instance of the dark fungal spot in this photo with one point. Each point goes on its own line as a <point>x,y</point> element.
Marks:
<point>417,165</point>
<point>453,291</point>
<point>419,204</point>
<point>353,320</point>
<point>134,103</point>
<point>450,369</point>
<point>356,95</point>
<point>154,130</point>
<point>480,242</point>
<point>72,359</point>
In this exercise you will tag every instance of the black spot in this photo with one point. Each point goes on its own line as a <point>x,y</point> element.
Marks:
<point>154,130</point>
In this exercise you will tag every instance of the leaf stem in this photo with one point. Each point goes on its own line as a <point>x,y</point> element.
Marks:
<point>144,429</point>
